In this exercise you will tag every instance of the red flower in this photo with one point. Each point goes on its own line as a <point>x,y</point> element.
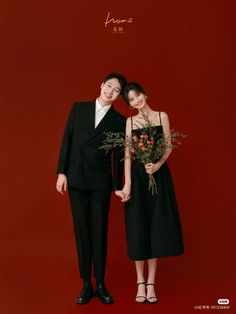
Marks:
<point>150,142</point>
<point>135,138</point>
<point>144,135</point>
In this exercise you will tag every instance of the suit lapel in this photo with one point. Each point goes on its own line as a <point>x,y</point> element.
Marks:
<point>105,122</point>
<point>91,117</point>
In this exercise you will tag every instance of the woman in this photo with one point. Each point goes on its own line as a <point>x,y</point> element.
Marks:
<point>153,227</point>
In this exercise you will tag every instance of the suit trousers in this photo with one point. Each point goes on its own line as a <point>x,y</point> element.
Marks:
<point>90,211</point>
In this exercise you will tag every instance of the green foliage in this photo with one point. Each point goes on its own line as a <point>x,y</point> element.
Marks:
<point>145,144</point>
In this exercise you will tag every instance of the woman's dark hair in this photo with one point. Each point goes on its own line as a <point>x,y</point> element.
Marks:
<point>120,77</point>
<point>134,87</point>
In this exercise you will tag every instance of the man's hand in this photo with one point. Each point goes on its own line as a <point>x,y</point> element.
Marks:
<point>124,194</point>
<point>119,193</point>
<point>61,184</point>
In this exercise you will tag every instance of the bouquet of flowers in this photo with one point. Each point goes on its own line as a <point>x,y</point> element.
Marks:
<point>145,144</point>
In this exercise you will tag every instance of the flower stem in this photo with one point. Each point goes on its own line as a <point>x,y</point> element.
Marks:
<point>152,184</point>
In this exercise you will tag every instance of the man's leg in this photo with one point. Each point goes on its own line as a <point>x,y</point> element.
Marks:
<point>100,202</point>
<point>80,205</point>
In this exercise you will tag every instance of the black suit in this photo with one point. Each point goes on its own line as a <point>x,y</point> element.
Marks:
<point>90,180</point>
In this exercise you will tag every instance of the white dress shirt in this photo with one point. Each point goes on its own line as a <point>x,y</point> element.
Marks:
<point>100,112</point>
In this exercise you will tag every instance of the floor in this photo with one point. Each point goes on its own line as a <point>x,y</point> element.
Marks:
<point>41,286</point>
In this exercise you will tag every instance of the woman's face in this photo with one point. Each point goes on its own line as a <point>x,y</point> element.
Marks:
<point>137,100</point>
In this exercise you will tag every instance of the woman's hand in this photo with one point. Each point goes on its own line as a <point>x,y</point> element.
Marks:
<point>126,193</point>
<point>61,184</point>
<point>152,168</point>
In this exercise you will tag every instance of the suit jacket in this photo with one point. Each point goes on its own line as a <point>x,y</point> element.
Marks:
<point>80,159</point>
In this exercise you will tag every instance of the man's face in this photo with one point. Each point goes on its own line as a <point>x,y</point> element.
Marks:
<point>110,91</point>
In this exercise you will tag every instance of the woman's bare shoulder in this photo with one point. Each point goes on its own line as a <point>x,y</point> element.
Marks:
<point>163,115</point>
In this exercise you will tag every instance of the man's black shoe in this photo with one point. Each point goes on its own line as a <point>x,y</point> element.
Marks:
<point>85,295</point>
<point>103,294</point>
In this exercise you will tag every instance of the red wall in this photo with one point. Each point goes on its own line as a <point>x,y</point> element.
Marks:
<point>55,52</point>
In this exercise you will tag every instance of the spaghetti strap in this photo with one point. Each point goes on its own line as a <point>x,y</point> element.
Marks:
<point>131,122</point>
<point>160,117</point>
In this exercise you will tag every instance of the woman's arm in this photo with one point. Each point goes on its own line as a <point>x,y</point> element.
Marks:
<point>151,168</point>
<point>167,135</point>
<point>127,164</point>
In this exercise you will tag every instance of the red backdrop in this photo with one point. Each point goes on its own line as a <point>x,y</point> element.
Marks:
<point>53,53</point>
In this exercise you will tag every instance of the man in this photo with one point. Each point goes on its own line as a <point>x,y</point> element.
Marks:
<point>87,171</point>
